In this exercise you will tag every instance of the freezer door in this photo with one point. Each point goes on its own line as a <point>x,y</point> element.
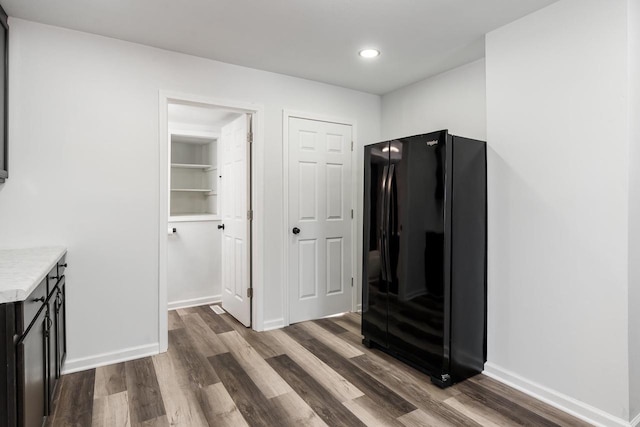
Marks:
<point>374,274</point>
<point>416,246</point>
<point>469,255</point>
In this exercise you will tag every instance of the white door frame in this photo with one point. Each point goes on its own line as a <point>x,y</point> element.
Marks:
<point>355,272</point>
<point>257,203</point>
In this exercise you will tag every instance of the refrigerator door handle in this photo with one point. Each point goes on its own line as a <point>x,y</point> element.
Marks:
<point>387,257</point>
<point>383,211</point>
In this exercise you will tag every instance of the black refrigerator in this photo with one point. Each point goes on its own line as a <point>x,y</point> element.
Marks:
<point>425,253</point>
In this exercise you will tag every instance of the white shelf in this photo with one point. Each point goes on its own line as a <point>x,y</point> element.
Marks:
<point>193,217</point>
<point>193,175</point>
<point>192,138</point>
<point>193,190</point>
<point>191,166</point>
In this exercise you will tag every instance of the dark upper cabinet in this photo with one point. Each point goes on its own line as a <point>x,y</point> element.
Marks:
<point>4,91</point>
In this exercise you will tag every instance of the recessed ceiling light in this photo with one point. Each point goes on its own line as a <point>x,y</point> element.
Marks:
<point>369,53</point>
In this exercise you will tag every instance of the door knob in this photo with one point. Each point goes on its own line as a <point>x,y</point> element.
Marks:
<point>221,227</point>
<point>295,230</point>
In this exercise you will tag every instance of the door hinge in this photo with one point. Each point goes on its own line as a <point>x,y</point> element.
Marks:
<point>250,137</point>
<point>249,292</point>
<point>250,215</point>
<point>351,213</point>
<point>351,145</point>
<point>352,282</point>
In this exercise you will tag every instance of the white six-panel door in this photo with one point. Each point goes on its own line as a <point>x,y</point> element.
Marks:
<point>320,208</point>
<point>233,155</point>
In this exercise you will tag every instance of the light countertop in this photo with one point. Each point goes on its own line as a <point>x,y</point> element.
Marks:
<point>22,270</point>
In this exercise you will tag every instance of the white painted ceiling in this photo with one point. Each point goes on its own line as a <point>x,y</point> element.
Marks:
<point>312,39</point>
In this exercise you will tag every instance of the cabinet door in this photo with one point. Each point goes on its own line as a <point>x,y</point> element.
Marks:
<point>51,346</point>
<point>32,373</point>
<point>7,364</point>
<point>60,327</point>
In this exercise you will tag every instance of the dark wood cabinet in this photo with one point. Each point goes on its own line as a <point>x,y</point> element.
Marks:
<point>4,98</point>
<point>51,348</point>
<point>59,327</point>
<point>33,334</point>
<point>32,370</point>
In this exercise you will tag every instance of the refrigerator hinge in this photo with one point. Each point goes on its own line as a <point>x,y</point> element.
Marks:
<point>249,292</point>
<point>250,215</point>
<point>352,282</point>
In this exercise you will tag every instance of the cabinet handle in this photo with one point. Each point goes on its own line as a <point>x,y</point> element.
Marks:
<point>41,299</point>
<point>63,265</point>
<point>47,327</point>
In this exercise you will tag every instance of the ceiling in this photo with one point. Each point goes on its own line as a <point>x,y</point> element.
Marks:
<point>313,39</point>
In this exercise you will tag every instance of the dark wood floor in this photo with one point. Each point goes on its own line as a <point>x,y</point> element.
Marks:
<point>317,373</point>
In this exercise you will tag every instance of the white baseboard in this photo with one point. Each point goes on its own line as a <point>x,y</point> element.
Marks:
<point>84,363</point>
<point>635,422</point>
<point>565,403</point>
<point>273,324</point>
<point>359,308</point>
<point>186,303</point>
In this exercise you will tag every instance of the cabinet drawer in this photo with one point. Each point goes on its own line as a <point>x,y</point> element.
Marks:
<point>52,279</point>
<point>31,306</point>
<point>56,274</point>
<point>62,265</point>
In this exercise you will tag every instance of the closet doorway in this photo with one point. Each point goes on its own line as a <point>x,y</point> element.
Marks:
<point>208,209</point>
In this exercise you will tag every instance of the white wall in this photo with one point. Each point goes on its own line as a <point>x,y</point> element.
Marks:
<point>194,270</point>
<point>85,167</point>
<point>634,208</point>
<point>558,205</point>
<point>454,100</point>
<point>560,198</point>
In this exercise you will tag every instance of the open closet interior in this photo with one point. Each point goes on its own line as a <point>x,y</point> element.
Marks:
<point>194,178</point>
<point>194,275</point>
